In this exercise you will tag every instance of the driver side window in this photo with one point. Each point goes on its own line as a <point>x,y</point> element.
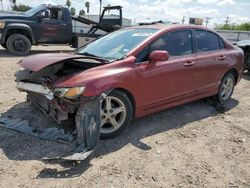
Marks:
<point>177,43</point>
<point>52,14</point>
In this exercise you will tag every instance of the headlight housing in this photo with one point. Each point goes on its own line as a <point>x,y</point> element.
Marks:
<point>2,24</point>
<point>69,93</point>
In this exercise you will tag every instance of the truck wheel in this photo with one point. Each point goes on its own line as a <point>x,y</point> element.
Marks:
<point>116,114</point>
<point>18,44</point>
<point>4,46</point>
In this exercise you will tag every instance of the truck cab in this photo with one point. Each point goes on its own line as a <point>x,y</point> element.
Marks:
<point>44,24</point>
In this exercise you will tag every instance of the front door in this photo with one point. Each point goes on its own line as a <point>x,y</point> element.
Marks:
<point>167,82</point>
<point>53,27</point>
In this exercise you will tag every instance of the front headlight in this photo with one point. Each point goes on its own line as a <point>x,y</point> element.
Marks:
<point>69,93</point>
<point>2,24</point>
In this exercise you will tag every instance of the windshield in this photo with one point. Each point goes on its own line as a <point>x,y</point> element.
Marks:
<point>117,44</point>
<point>34,10</point>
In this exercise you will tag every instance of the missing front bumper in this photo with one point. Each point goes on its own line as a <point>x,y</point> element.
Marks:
<point>36,88</point>
<point>83,142</point>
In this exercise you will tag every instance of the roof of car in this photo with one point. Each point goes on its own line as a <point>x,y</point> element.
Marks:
<point>171,26</point>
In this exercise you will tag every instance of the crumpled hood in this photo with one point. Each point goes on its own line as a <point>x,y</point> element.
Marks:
<point>40,61</point>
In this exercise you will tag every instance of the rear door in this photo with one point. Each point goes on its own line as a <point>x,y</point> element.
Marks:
<point>169,81</point>
<point>211,60</point>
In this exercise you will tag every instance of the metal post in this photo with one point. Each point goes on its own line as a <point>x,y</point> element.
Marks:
<point>100,12</point>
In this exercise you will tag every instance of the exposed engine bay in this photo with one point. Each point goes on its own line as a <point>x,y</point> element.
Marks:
<point>82,112</point>
<point>52,72</point>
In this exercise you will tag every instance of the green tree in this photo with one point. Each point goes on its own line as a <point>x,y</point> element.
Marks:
<point>21,7</point>
<point>72,11</point>
<point>81,12</point>
<point>68,3</point>
<point>240,27</point>
<point>87,5</point>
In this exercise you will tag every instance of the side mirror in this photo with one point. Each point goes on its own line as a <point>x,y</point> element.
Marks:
<point>158,55</point>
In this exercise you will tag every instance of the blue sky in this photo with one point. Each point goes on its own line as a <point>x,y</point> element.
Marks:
<point>173,10</point>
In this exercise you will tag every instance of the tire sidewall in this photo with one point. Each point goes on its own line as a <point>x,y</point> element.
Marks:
<point>220,99</point>
<point>11,48</point>
<point>129,111</point>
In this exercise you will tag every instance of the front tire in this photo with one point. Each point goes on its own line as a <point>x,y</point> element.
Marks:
<point>116,114</point>
<point>226,89</point>
<point>18,44</point>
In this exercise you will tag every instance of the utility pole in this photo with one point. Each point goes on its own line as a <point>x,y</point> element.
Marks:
<point>227,20</point>
<point>183,20</point>
<point>100,11</point>
<point>207,20</point>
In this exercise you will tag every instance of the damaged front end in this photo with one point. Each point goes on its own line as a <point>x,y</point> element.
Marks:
<point>65,104</point>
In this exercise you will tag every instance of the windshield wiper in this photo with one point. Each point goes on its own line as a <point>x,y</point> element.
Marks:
<point>93,55</point>
<point>88,54</point>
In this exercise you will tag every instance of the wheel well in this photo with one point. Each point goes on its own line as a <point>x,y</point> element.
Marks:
<point>235,73</point>
<point>130,96</point>
<point>18,31</point>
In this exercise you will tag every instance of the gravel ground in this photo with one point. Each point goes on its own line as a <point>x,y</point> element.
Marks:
<point>192,145</point>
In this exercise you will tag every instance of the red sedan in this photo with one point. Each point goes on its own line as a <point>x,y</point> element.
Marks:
<point>131,73</point>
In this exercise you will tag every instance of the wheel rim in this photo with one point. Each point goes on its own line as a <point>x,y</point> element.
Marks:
<point>227,88</point>
<point>113,114</point>
<point>20,45</point>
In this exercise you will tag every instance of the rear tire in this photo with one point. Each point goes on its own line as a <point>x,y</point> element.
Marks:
<point>18,44</point>
<point>226,89</point>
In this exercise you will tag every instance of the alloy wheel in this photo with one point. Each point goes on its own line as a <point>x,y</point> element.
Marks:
<point>227,88</point>
<point>113,114</point>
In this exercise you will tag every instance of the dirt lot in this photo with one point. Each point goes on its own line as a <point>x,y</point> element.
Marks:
<point>189,146</point>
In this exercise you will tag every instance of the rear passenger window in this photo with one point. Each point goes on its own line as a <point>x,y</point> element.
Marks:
<point>207,41</point>
<point>176,43</point>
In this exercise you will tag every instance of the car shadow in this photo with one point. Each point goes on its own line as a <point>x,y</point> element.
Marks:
<point>6,54</point>
<point>31,148</point>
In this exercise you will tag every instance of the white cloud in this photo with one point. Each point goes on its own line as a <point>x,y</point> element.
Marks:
<point>173,10</point>
<point>225,2</point>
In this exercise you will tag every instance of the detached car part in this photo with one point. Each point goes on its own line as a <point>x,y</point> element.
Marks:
<point>245,46</point>
<point>87,131</point>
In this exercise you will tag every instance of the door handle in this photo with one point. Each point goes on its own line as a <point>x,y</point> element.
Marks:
<point>221,57</point>
<point>189,63</point>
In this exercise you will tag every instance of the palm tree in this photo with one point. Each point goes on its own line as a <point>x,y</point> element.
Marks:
<point>68,3</point>
<point>81,12</point>
<point>1,4</point>
<point>87,5</point>
<point>12,3</point>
